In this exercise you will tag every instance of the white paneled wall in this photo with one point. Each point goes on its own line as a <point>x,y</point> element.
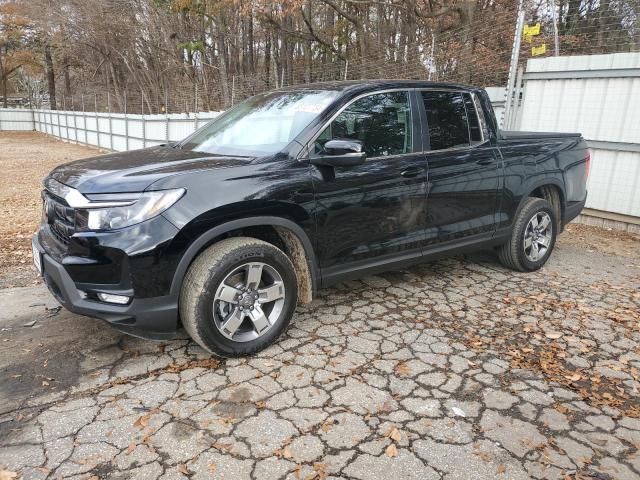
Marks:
<point>16,119</point>
<point>598,96</point>
<point>115,131</point>
<point>497,97</point>
<point>120,131</point>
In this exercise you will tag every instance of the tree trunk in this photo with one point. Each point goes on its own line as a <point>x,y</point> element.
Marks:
<point>51,77</point>
<point>467,13</point>
<point>5,103</point>
<point>603,10</point>
<point>3,78</point>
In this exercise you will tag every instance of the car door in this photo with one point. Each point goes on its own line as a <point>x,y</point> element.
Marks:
<point>463,168</point>
<point>374,212</point>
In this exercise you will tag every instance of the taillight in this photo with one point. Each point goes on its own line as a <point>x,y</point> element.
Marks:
<point>587,163</point>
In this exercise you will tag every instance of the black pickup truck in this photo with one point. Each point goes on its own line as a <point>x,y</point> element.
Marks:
<point>291,191</point>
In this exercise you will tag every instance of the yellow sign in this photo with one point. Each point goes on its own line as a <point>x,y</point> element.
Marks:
<point>541,50</point>
<point>532,30</point>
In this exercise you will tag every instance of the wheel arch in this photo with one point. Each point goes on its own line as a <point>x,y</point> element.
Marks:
<point>545,188</point>
<point>298,246</point>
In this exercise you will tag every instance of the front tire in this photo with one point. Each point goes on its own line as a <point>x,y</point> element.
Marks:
<point>238,296</point>
<point>532,238</point>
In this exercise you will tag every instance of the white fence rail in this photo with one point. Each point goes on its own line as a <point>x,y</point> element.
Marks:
<point>16,119</point>
<point>118,131</point>
<point>112,131</point>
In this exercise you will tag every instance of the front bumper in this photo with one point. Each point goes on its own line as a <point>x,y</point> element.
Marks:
<point>153,317</point>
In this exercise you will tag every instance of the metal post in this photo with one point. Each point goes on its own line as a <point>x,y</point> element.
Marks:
<point>95,115</point>
<point>515,55</point>
<point>126,123</point>
<point>515,112</point>
<point>75,124</point>
<point>166,128</point>
<point>556,40</point>
<point>144,131</point>
<point>84,119</point>
<point>110,122</point>
<point>58,121</point>
<point>346,68</point>
<point>195,109</point>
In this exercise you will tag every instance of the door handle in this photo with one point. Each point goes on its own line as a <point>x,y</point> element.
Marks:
<point>411,172</point>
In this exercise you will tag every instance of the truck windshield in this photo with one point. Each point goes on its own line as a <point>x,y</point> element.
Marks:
<point>260,125</point>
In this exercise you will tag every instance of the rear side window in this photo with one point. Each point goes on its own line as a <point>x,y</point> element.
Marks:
<point>381,121</point>
<point>452,119</point>
<point>447,119</point>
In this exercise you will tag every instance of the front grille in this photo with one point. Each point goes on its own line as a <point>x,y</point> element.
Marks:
<point>60,217</point>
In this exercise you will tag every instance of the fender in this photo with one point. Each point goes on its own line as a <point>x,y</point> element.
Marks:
<point>528,189</point>
<point>197,245</point>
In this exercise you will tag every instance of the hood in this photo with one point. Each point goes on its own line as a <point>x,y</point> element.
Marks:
<point>136,170</point>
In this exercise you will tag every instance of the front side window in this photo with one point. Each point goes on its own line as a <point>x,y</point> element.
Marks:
<point>381,121</point>
<point>447,119</point>
<point>261,125</point>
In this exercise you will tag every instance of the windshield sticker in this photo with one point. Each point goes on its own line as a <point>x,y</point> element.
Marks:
<point>310,107</point>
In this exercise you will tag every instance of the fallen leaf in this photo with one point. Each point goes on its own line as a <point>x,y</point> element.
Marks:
<point>225,447</point>
<point>182,468</point>
<point>402,369</point>
<point>501,468</point>
<point>131,448</point>
<point>213,467</point>
<point>296,471</point>
<point>7,475</point>
<point>326,426</point>
<point>394,434</point>
<point>553,335</point>
<point>392,451</point>
<point>142,422</point>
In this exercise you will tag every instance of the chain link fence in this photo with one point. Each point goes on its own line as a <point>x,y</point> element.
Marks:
<point>480,53</point>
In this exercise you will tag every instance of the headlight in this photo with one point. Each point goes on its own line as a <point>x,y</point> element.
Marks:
<point>140,207</point>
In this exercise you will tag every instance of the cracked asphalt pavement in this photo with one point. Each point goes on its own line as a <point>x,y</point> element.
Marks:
<point>454,369</point>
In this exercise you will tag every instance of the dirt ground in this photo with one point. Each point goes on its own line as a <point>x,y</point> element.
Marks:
<point>25,159</point>
<point>456,369</point>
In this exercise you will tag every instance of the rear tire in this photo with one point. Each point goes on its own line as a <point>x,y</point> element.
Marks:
<point>238,296</point>
<point>532,238</point>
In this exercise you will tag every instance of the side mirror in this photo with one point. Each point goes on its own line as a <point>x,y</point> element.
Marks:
<point>341,153</point>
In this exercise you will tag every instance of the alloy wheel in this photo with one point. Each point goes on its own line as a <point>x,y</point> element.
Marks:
<point>248,302</point>
<point>538,236</point>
